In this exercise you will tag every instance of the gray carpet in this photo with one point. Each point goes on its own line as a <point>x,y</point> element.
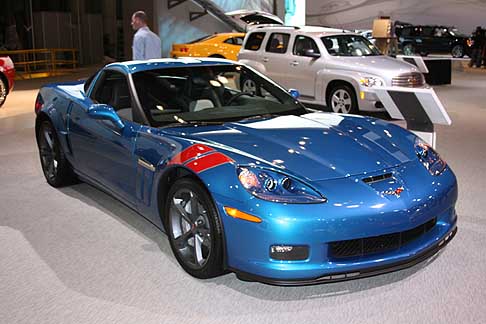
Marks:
<point>76,255</point>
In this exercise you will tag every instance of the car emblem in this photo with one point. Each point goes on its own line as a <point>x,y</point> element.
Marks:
<point>395,192</point>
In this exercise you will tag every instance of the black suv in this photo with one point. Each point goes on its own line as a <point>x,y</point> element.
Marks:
<point>425,39</point>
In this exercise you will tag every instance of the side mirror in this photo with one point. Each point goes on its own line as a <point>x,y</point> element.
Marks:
<point>294,93</point>
<point>105,112</point>
<point>310,53</point>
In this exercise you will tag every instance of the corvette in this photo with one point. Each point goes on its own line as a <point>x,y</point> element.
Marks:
<point>251,183</point>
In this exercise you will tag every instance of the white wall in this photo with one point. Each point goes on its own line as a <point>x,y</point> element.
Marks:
<point>354,14</point>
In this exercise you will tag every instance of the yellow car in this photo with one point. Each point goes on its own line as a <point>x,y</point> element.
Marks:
<point>224,45</point>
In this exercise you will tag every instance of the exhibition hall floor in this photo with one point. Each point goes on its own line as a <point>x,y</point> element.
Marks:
<point>76,255</point>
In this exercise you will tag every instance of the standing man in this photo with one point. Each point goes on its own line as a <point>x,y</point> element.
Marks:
<point>146,44</point>
<point>477,47</point>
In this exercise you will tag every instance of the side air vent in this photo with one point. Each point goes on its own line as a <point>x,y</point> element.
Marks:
<point>377,178</point>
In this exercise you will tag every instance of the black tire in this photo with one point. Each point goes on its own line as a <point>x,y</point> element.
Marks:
<point>188,229</point>
<point>55,166</point>
<point>342,99</point>
<point>408,49</point>
<point>457,51</point>
<point>3,91</point>
<point>217,56</point>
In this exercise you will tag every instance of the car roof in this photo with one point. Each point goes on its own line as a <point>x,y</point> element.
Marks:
<point>316,31</point>
<point>164,63</point>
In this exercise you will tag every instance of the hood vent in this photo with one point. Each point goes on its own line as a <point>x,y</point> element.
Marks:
<point>377,178</point>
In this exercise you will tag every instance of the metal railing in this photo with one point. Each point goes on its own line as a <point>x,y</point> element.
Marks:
<point>35,63</point>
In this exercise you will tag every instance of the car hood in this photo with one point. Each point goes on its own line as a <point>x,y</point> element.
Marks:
<point>317,146</point>
<point>376,65</point>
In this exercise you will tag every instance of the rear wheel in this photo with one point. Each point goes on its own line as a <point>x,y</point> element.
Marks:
<point>194,229</point>
<point>342,99</point>
<point>3,92</point>
<point>217,56</point>
<point>457,51</point>
<point>56,168</point>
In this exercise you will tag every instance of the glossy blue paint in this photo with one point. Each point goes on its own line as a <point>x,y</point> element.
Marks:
<point>331,153</point>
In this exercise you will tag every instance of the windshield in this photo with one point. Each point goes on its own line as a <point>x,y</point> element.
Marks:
<point>210,93</point>
<point>202,39</point>
<point>349,45</point>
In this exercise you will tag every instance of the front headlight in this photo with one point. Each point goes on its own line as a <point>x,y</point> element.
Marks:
<point>371,82</point>
<point>273,186</point>
<point>429,157</point>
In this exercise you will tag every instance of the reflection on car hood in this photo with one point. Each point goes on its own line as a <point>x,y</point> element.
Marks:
<point>377,65</point>
<point>317,146</point>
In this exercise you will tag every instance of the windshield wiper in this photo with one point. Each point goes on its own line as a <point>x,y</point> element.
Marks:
<point>192,123</point>
<point>269,115</point>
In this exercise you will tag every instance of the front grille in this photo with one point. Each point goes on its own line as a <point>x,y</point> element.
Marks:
<point>411,80</point>
<point>377,244</point>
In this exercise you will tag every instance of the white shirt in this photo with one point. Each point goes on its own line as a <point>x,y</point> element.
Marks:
<point>146,45</point>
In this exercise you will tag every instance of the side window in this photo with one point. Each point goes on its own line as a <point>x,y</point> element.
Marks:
<point>254,41</point>
<point>278,43</point>
<point>229,41</point>
<point>303,43</point>
<point>238,40</point>
<point>112,89</point>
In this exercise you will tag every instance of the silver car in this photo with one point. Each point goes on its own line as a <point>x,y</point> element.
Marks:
<point>330,67</point>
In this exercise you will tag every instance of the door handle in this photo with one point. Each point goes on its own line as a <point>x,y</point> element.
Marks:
<point>294,63</point>
<point>265,59</point>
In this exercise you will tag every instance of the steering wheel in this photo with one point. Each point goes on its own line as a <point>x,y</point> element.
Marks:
<point>236,96</point>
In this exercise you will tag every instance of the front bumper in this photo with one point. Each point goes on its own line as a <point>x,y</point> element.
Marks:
<point>362,213</point>
<point>362,273</point>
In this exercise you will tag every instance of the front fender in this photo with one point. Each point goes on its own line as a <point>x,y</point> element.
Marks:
<point>326,76</point>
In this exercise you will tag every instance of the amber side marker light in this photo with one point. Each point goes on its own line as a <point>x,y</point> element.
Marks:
<point>235,213</point>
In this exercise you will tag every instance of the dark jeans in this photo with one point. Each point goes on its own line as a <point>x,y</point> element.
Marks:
<point>475,57</point>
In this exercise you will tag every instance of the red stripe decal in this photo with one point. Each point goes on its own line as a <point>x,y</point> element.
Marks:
<point>208,161</point>
<point>192,151</point>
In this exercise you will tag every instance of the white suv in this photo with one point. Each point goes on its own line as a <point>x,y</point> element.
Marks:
<point>327,66</point>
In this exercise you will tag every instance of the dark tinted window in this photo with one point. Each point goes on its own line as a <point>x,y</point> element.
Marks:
<point>303,43</point>
<point>278,43</point>
<point>254,41</point>
<point>427,31</point>
<point>229,41</point>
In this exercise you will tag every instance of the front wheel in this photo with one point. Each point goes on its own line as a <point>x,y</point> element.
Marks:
<point>457,51</point>
<point>342,99</point>
<point>408,50</point>
<point>194,229</point>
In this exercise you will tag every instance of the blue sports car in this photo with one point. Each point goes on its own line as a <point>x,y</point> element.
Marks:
<point>242,177</point>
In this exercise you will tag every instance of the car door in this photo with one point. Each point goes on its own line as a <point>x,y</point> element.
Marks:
<point>303,66</point>
<point>104,152</point>
<point>275,58</point>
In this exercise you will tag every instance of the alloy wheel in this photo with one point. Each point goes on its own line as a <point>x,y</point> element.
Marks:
<point>457,51</point>
<point>341,101</point>
<point>47,147</point>
<point>190,228</point>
